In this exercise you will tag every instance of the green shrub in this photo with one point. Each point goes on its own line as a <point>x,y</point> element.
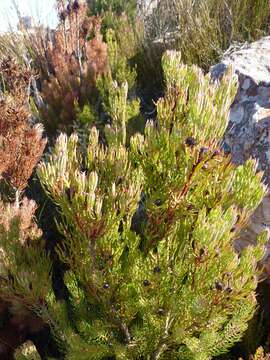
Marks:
<point>99,7</point>
<point>173,287</point>
<point>147,213</point>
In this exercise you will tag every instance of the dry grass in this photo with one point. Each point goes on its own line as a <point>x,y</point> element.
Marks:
<point>204,29</point>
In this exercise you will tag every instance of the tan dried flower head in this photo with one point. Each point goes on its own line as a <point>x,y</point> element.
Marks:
<point>25,214</point>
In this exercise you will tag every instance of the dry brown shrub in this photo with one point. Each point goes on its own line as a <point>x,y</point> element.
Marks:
<point>75,57</point>
<point>21,145</point>
<point>15,78</point>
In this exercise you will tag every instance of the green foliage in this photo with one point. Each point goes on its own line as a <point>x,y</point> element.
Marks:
<point>117,90</point>
<point>23,258</point>
<point>140,50</point>
<point>112,11</point>
<point>119,67</point>
<point>99,7</point>
<point>86,115</point>
<point>147,214</point>
<point>176,289</point>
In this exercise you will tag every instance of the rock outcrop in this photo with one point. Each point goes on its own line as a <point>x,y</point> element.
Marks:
<point>248,132</point>
<point>146,7</point>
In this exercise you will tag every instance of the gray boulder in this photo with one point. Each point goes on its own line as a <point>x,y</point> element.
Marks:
<point>248,132</point>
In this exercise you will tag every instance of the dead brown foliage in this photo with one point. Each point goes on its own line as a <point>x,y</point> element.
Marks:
<point>75,57</point>
<point>15,78</point>
<point>21,145</point>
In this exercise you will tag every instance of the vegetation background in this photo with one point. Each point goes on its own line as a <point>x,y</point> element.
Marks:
<point>119,207</point>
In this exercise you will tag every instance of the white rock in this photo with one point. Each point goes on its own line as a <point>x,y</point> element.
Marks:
<point>248,133</point>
